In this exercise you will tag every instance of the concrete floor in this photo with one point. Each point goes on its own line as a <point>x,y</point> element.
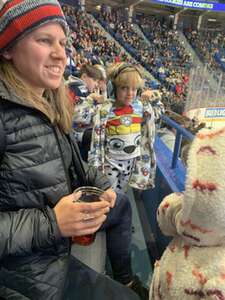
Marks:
<point>140,258</point>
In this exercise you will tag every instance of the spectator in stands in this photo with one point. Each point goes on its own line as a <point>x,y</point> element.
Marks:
<point>124,132</point>
<point>41,167</point>
<point>192,266</point>
<point>167,133</point>
<point>71,68</point>
<point>102,83</point>
<point>86,98</point>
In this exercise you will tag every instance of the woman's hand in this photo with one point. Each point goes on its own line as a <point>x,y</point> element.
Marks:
<point>78,218</point>
<point>110,196</point>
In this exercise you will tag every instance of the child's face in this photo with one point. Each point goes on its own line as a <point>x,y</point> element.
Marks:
<point>91,83</point>
<point>125,95</point>
<point>102,85</point>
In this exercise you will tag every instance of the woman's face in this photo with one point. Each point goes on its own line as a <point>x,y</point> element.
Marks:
<point>125,95</point>
<point>40,57</point>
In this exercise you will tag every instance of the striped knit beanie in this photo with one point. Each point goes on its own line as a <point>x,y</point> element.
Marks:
<point>20,17</point>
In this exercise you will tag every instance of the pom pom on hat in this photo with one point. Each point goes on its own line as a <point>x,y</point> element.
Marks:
<point>20,17</point>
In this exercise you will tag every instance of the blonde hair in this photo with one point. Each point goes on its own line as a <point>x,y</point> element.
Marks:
<point>54,104</point>
<point>123,74</point>
<point>102,70</point>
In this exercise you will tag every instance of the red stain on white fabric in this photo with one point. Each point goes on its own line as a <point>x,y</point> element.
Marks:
<point>194,227</point>
<point>186,250</point>
<point>207,150</point>
<point>199,276</point>
<point>169,277</point>
<point>202,186</point>
<point>165,206</point>
<point>172,248</point>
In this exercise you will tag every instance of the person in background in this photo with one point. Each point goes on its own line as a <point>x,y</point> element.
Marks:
<point>84,92</point>
<point>41,167</point>
<point>192,266</point>
<point>124,132</point>
<point>167,133</point>
<point>70,64</point>
<point>102,83</point>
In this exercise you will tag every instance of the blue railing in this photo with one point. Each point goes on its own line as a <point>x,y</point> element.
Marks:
<point>180,132</point>
<point>170,177</point>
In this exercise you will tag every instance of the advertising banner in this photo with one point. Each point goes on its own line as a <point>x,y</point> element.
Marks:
<point>212,116</point>
<point>202,5</point>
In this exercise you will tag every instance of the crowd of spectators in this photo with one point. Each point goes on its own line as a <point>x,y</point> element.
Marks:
<point>88,43</point>
<point>210,47</point>
<point>163,54</point>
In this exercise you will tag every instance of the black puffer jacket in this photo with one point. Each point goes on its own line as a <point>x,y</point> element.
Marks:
<point>37,170</point>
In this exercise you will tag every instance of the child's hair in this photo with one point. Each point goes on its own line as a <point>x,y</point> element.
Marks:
<point>123,74</point>
<point>91,71</point>
<point>102,70</point>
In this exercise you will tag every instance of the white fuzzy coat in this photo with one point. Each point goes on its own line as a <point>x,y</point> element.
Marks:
<point>193,265</point>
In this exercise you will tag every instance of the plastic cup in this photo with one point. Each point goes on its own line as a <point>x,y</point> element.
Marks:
<point>89,194</point>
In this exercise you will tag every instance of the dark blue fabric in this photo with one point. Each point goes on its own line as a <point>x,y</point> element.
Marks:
<point>118,228</point>
<point>89,285</point>
<point>78,87</point>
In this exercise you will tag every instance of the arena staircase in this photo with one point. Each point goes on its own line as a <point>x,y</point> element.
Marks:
<point>138,30</point>
<point>95,22</point>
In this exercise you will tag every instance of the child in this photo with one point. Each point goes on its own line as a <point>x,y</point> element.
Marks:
<point>102,83</point>
<point>193,265</point>
<point>82,92</point>
<point>124,132</point>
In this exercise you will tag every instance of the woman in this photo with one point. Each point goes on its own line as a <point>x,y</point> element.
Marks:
<point>41,166</point>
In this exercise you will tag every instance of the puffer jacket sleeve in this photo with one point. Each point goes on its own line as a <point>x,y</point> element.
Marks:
<point>97,178</point>
<point>87,173</point>
<point>26,230</point>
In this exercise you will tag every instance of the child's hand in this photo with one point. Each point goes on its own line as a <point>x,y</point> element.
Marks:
<point>98,98</point>
<point>146,95</point>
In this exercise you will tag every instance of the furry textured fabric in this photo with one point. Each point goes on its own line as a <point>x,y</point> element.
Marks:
<point>193,265</point>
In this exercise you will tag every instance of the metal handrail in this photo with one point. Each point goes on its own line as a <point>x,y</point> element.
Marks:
<point>180,133</point>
